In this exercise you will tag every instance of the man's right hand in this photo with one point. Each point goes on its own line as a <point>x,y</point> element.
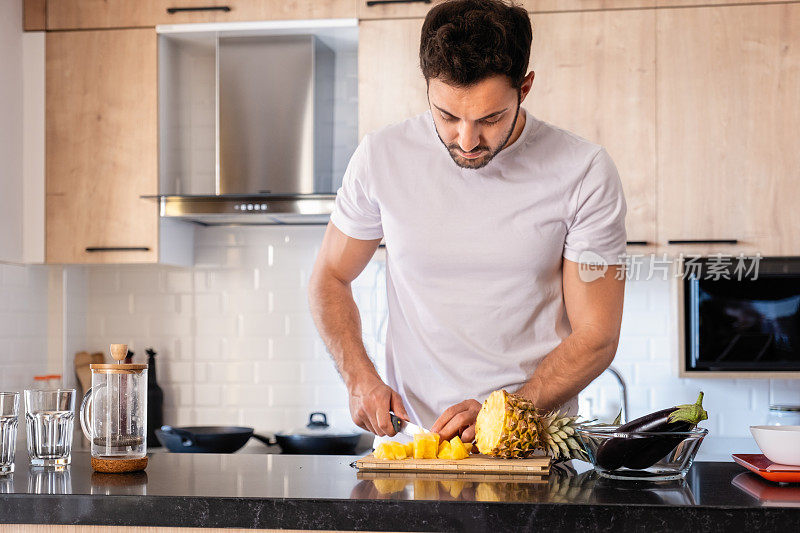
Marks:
<point>370,403</point>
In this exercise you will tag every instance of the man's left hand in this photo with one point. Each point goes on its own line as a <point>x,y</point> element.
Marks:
<point>458,419</point>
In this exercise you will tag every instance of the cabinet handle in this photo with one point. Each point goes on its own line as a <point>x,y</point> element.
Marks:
<point>703,241</point>
<point>173,10</point>
<point>636,243</point>
<point>92,249</point>
<point>371,3</point>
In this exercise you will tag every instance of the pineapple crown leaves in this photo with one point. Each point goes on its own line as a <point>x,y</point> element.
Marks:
<point>560,437</point>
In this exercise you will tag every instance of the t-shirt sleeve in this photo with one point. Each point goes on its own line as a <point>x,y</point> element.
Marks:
<point>598,225</point>
<point>356,211</point>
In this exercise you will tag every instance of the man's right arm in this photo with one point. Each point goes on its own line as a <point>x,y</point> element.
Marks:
<point>341,259</point>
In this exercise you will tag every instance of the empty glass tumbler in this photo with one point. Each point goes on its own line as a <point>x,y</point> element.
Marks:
<point>114,411</point>
<point>49,420</point>
<point>9,415</point>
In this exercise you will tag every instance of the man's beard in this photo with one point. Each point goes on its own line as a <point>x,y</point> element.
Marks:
<point>455,150</point>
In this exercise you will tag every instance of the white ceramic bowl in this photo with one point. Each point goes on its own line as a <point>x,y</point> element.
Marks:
<point>781,444</point>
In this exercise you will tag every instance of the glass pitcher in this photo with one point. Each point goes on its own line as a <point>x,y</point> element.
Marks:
<point>114,411</point>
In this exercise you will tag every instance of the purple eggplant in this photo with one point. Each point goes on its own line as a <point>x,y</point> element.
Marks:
<point>642,451</point>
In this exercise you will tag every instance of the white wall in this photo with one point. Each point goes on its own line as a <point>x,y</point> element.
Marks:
<point>23,326</point>
<point>11,75</point>
<point>235,339</point>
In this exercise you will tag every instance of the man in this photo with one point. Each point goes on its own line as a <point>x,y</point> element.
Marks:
<point>487,214</point>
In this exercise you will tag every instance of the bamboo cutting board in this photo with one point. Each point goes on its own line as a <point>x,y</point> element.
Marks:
<point>476,464</point>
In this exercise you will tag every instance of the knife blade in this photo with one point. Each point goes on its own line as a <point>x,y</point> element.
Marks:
<point>406,428</point>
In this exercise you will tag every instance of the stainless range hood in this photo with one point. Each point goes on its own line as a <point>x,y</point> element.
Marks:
<point>246,125</point>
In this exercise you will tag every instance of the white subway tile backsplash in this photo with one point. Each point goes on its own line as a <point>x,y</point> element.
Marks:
<point>240,395</point>
<point>237,343</point>
<point>272,371</point>
<point>264,325</point>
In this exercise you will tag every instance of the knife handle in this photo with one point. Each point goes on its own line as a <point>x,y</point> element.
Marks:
<point>396,422</point>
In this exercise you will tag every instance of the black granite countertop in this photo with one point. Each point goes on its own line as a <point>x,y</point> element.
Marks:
<point>325,492</point>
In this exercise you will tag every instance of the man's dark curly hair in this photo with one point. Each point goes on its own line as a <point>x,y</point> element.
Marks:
<point>466,41</point>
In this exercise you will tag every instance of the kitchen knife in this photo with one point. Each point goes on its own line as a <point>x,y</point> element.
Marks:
<point>406,428</point>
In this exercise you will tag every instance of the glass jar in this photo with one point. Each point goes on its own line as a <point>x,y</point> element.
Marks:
<point>784,415</point>
<point>114,411</point>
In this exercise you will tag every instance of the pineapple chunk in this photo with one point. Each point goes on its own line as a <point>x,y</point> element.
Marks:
<point>409,449</point>
<point>457,449</point>
<point>468,446</point>
<point>383,451</point>
<point>398,450</point>
<point>425,445</point>
<point>444,450</point>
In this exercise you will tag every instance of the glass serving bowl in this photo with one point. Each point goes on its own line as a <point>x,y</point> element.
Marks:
<point>638,454</point>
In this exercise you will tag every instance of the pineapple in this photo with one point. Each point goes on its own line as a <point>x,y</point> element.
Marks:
<point>390,450</point>
<point>509,426</point>
<point>444,450</point>
<point>457,449</point>
<point>426,445</point>
<point>409,449</point>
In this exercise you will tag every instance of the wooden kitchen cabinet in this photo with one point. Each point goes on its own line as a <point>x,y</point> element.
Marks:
<point>728,117</point>
<point>595,76</point>
<point>376,9</point>
<point>390,84</point>
<point>101,146</point>
<point>75,14</point>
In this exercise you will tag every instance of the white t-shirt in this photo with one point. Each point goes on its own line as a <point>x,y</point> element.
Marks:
<point>473,257</point>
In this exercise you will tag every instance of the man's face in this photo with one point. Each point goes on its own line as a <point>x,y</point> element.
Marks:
<point>475,122</point>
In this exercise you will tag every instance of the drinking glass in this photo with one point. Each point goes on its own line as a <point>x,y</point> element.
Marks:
<point>49,417</point>
<point>9,414</point>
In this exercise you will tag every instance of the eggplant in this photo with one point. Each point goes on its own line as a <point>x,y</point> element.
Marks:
<point>642,451</point>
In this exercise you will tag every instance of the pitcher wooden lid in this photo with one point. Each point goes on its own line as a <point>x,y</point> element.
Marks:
<point>117,368</point>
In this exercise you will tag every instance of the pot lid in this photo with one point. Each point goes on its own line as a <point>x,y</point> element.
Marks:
<point>318,426</point>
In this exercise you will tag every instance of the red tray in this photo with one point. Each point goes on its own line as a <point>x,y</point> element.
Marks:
<point>758,463</point>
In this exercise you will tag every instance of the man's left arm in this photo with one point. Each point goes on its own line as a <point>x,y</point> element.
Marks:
<point>594,309</point>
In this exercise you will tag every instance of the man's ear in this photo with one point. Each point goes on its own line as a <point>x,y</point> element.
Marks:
<point>525,88</point>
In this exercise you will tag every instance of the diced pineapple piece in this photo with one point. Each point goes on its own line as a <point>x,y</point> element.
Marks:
<point>444,450</point>
<point>398,450</point>
<point>409,449</point>
<point>425,445</point>
<point>468,446</point>
<point>383,451</point>
<point>457,449</point>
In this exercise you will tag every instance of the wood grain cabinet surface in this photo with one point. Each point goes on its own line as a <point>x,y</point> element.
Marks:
<point>390,9</point>
<point>728,117</point>
<point>80,14</point>
<point>101,146</point>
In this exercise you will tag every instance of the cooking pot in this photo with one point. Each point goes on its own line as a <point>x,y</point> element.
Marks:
<point>317,437</point>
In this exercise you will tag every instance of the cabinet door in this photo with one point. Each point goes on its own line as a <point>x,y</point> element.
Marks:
<point>390,84</point>
<point>101,146</point>
<point>73,14</point>
<point>728,117</point>
<point>595,76</point>
<point>383,9</point>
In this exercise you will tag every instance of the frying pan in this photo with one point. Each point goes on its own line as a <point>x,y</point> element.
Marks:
<point>207,439</point>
